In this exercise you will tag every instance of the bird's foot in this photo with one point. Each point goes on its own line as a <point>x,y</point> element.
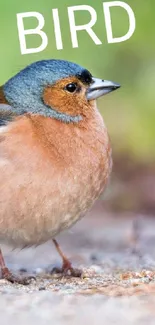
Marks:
<point>7,275</point>
<point>67,269</point>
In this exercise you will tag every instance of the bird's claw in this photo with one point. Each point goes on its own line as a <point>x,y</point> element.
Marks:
<point>67,269</point>
<point>7,275</point>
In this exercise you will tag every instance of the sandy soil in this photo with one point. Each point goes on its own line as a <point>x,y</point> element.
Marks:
<point>117,256</point>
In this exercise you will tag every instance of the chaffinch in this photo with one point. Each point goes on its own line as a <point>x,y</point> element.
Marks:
<point>55,155</point>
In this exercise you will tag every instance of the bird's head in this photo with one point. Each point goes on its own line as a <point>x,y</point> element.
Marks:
<point>55,88</point>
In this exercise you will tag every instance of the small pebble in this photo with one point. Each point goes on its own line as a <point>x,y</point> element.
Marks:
<point>23,270</point>
<point>42,288</point>
<point>93,258</point>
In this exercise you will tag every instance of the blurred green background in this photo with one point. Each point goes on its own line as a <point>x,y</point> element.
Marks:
<point>129,113</point>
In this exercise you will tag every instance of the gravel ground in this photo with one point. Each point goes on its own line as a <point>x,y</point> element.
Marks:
<point>117,256</point>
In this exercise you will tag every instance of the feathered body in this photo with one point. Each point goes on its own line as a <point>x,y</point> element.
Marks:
<point>55,155</point>
<point>50,175</point>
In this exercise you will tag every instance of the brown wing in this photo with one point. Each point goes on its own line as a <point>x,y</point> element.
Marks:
<point>7,114</point>
<point>2,96</point>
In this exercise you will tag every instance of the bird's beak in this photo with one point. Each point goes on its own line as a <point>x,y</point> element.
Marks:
<point>100,87</point>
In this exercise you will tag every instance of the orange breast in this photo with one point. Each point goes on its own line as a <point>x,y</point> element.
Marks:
<point>50,176</point>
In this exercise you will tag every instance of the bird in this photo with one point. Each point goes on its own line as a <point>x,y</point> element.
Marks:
<point>55,153</point>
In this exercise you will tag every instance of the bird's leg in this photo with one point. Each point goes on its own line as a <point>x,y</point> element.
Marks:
<point>66,264</point>
<point>6,274</point>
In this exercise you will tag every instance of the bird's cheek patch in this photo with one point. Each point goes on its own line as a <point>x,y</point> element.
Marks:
<point>58,99</point>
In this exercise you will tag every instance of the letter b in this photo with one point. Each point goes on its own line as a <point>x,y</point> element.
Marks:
<point>38,31</point>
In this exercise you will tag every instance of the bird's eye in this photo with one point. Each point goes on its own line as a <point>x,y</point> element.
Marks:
<point>71,87</point>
